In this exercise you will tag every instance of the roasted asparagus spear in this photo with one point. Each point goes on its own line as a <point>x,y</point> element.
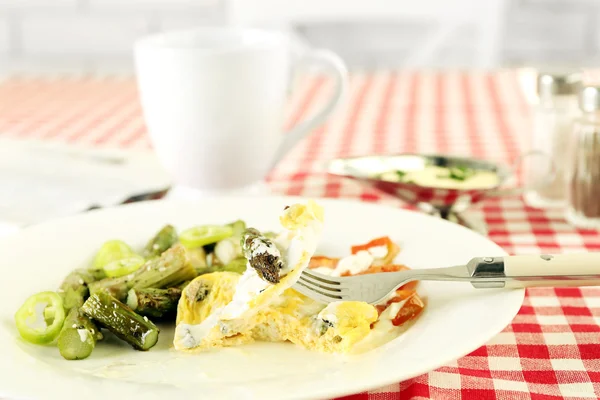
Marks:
<point>116,287</point>
<point>168,270</point>
<point>263,255</point>
<point>121,320</point>
<point>161,242</point>
<point>78,336</point>
<point>154,303</point>
<point>74,289</point>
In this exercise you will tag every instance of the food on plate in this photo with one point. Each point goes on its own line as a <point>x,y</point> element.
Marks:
<point>121,320</point>
<point>78,336</point>
<point>455,177</point>
<point>267,276</point>
<point>154,303</point>
<point>221,285</point>
<point>45,332</point>
<point>168,270</point>
<point>221,309</point>
<point>161,242</point>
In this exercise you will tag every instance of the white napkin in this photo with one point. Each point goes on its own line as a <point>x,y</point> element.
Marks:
<point>40,180</point>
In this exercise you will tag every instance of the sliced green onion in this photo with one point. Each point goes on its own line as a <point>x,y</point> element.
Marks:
<point>53,320</point>
<point>401,175</point>
<point>110,251</point>
<point>203,235</point>
<point>124,266</point>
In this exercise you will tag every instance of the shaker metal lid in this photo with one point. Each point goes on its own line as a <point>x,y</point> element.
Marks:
<point>589,98</point>
<point>558,82</point>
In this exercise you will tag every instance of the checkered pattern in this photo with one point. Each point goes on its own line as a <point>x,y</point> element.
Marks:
<point>437,197</point>
<point>552,348</point>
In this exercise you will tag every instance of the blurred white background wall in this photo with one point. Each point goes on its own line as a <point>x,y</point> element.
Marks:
<point>97,35</point>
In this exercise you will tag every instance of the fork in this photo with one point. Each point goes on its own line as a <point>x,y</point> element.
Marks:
<point>482,272</point>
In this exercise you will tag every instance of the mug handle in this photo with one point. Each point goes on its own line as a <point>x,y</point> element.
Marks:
<point>334,64</point>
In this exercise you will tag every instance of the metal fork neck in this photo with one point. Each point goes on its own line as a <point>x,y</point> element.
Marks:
<point>458,273</point>
<point>485,272</point>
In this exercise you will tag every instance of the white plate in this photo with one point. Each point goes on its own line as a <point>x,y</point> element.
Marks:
<point>458,319</point>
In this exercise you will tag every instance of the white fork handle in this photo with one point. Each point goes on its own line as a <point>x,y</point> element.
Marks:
<point>553,270</point>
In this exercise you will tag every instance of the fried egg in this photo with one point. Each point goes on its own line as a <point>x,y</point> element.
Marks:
<point>236,319</point>
<point>225,309</point>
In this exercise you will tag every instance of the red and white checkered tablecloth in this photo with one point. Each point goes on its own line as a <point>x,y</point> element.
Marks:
<point>552,348</point>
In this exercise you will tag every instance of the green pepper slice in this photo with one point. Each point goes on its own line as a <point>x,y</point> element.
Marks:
<point>110,251</point>
<point>203,235</point>
<point>124,266</point>
<point>27,314</point>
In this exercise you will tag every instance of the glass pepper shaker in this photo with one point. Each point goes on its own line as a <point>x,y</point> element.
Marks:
<point>583,177</point>
<point>553,118</point>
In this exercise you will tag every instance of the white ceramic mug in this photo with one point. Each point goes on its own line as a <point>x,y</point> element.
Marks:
<point>214,101</point>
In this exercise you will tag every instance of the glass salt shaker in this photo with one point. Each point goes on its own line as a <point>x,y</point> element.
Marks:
<point>553,118</point>
<point>583,174</point>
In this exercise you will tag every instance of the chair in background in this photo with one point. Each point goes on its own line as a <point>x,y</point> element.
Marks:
<point>486,17</point>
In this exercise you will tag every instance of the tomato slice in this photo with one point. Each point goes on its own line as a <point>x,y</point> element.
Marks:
<point>376,269</point>
<point>322,261</point>
<point>378,242</point>
<point>380,308</point>
<point>413,307</point>
<point>410,286</point>
<point>402,295</point>
<point>385,241</point>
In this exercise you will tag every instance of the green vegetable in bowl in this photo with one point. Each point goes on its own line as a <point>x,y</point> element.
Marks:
<point>26,317</point>
<point>460,173</point>
<point>401,175</point>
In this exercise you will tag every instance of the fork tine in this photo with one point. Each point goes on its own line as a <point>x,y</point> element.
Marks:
<point>320,277</point>
<point>307,281</point>
<point>315,293</point>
